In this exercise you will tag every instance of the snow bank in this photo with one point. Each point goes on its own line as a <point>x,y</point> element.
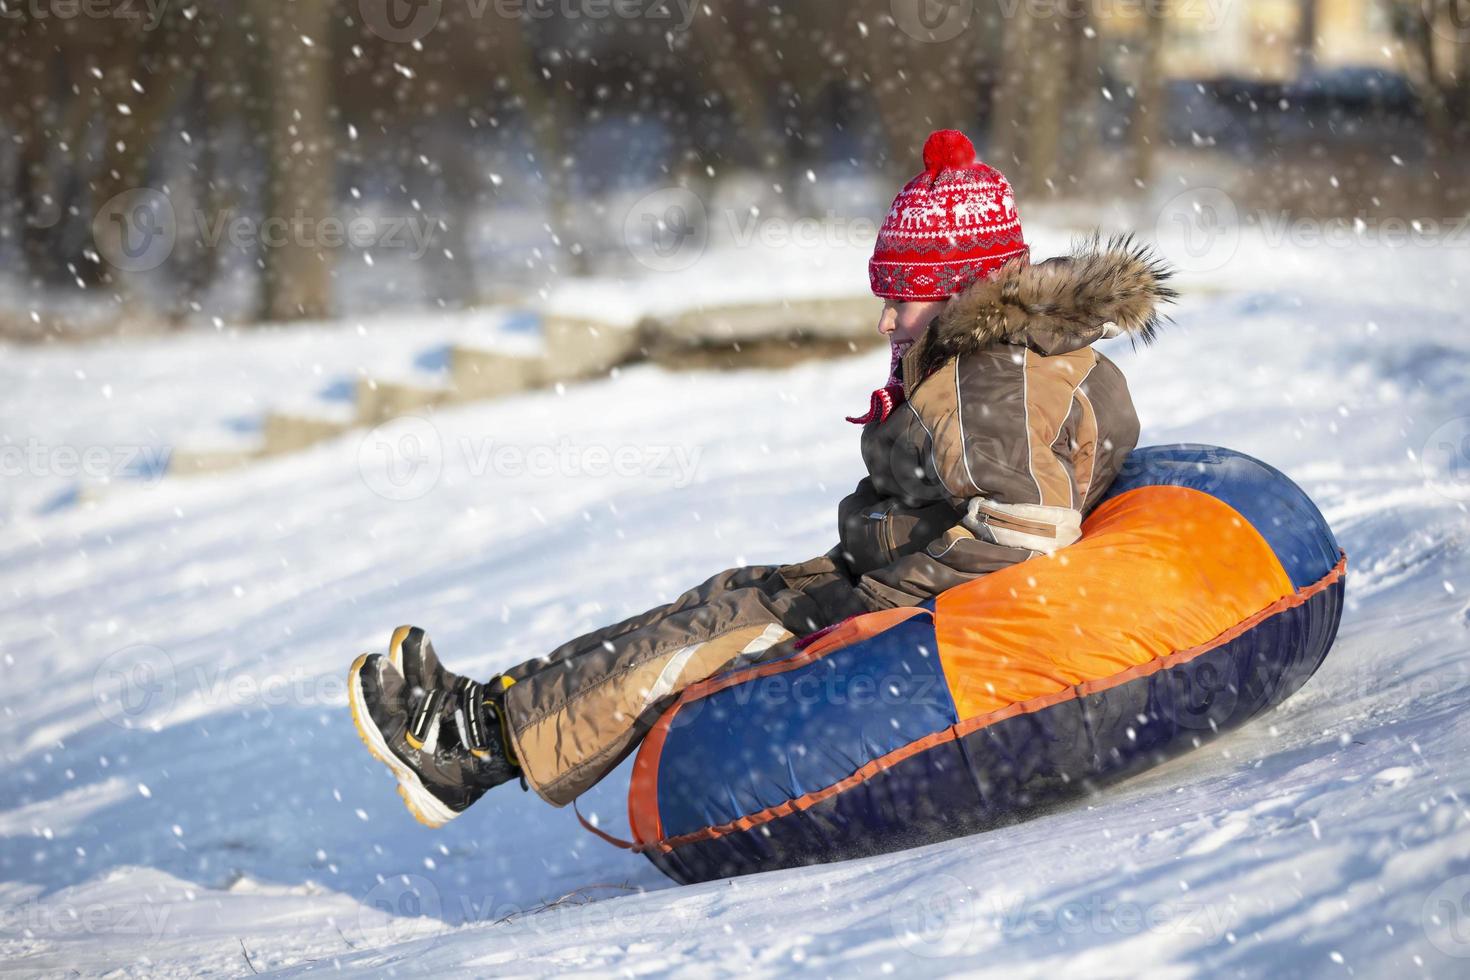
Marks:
<point>173,716</point>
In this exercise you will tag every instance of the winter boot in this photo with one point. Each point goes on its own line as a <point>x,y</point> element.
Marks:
<point>476,708</point>
<point>414,732</point>
<point>413,656</point>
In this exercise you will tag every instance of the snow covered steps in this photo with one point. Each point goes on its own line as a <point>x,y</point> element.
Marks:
<point>571,347</point>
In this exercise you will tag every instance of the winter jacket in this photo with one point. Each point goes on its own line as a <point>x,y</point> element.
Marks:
<point>1012,428</point>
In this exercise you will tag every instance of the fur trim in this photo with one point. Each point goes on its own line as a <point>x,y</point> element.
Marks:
<point>1056,306</point>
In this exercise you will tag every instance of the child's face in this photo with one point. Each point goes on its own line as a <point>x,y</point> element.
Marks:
<point>904,323</point>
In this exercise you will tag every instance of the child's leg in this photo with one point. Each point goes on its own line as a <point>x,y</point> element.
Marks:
<point>726,581</point>
<point>574,716</point>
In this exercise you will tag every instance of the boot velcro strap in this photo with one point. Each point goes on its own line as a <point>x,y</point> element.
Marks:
<point>418,728</point>
<point>471,696</point>
<point>478,711</point>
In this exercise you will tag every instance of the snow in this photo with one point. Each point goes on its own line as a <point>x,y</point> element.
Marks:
<point>181,786</point>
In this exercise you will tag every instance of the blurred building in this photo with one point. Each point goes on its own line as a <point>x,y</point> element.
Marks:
<point>1261,40</point>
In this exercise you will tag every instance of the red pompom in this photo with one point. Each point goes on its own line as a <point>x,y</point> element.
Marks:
<point>947,148</point>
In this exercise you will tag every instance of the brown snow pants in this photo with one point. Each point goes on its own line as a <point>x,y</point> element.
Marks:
<point>577,713</point>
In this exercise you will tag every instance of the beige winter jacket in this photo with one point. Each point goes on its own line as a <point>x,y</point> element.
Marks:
<point>1013,427</point>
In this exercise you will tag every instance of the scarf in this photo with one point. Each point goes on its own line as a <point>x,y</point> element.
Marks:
<point>883,401</point>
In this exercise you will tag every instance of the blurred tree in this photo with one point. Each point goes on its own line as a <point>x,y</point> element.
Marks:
<point>48,104</point>
<point>146,75</point>
<point>286,108</point>
<point>1147,125</point>
<point>295,76</point>
<point>1047,86</point>
<point>1044,127</point>
<point>218,142</point>
<point>1306,37</point>
<point>1012,99</point>
<point>1436,36</point>
<point>716,51</point>
<point>928,71</point>
<point>547,111</point>
<point>1081,125</point>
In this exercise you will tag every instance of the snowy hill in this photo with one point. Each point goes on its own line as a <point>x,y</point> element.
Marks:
<point>223,818</point>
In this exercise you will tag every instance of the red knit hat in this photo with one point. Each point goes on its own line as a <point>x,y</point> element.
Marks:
<point>952,224</point>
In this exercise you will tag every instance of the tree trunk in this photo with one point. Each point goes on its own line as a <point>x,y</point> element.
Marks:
<point>1086,125</point>
<point>297,274</point>
<point>544,113</point>
<point>716,50</point>
<point>1306,38</point>
<point>1011,107</point>
<point>1148,107</point>
<point>1044,126</point>
<point>1460,9</point>
<point>159,62</point>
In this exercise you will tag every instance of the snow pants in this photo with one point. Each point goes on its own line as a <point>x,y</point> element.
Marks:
<point>577,713</point>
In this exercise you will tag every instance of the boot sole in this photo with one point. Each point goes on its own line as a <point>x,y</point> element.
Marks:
<point>425,807</point>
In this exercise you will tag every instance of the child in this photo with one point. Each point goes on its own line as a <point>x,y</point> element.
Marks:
<point>998,429</point>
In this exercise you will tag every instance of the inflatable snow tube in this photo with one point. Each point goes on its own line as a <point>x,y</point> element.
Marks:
<point>1205,589</point>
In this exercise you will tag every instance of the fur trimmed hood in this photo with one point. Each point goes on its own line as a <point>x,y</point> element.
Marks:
<point>1060,305</point>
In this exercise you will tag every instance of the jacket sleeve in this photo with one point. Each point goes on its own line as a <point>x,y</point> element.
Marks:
<point>1016,463</point>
